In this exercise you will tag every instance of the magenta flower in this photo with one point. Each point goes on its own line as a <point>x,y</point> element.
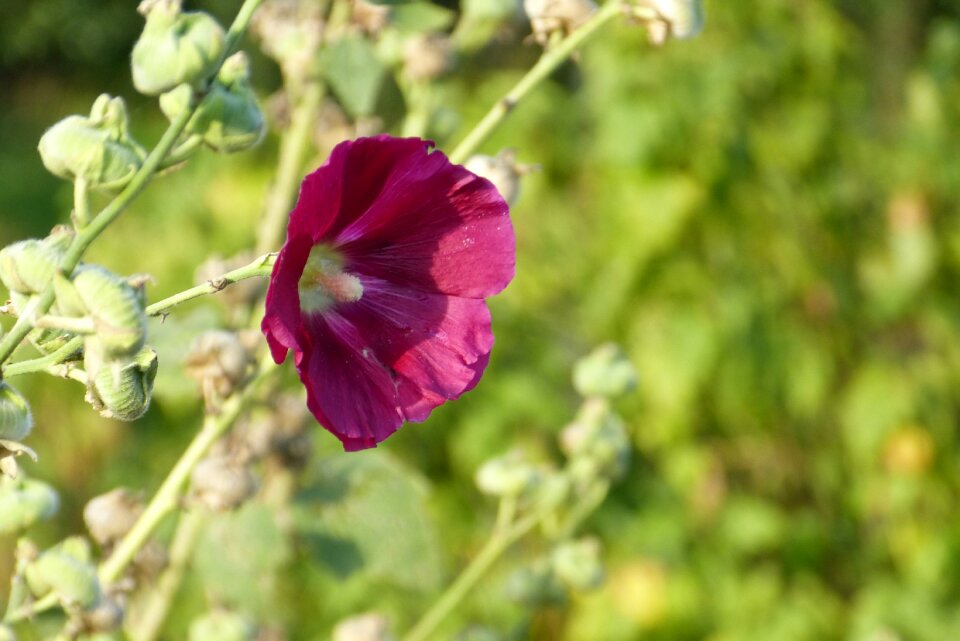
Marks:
<point>379,288</point>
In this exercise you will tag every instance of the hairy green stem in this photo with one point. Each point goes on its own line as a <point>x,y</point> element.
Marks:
<point>85,237</point>
<point>261,266</point>
<point>294,148</point>
<point>168,496</point>
<point>148,625</point>
<point>81,203</point>
<point>547,64</point>
<point>72,346</point>
<point>502,538</point>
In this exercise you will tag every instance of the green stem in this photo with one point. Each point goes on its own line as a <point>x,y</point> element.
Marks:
<point>118,205</point>
<point>168,496</point>
<point>501,539</point>
<point>547,64</point>
<point>72,346</point>
<point>150,622</point>
<point>259,267</point>
<point>69,324</point>
<point>293,153</point>
<point>81,203</point>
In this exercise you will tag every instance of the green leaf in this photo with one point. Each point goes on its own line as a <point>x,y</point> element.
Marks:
<point>366,513</point>
<point>354,73</point>
<point>238,556</point>
<point>421,17</point>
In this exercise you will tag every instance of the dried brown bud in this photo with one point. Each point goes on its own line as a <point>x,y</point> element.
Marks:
<point>290,32</point>
<point>110,516</point>
<point>222,483</point>
<point>556,16</point>
<point>427,56</point>
<point>219,362</point>
<point>502,170</point>
<point>364,627</point>
<point>371,18</point>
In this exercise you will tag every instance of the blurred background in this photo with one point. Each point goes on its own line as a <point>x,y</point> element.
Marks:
<point>766,218</point>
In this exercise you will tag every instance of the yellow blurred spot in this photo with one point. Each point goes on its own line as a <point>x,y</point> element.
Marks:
<point>639,592</point>
<point>908,451</point>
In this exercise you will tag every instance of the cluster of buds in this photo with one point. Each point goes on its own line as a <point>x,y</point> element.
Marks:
<point>571,567</point>
<point>229,118</point>
<point>120,368</point>
<point>96,149</point>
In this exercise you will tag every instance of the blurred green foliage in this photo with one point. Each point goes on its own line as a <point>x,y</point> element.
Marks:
<point>767,218</point>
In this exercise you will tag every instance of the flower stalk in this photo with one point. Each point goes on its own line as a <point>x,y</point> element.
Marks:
<point>551,59</point>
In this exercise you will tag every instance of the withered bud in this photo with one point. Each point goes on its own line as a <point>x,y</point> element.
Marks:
<point>290,32</point>
<point>281,432</point>
<point>222,483</point>
<point>369,17</point>
<point>219,361</point>
<point>427,56</point>
<point>502,170</point>
<point>556,16</point>
<point>110,516</point>
<point>363,627</point>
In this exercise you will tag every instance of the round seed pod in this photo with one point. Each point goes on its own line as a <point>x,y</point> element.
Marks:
<point>229,118</point>
<point>509,475</point>
<point>606,371</point>
<point>115,306</point>
<point>110,516</point>
<point>175,47</point>
<point>363,627</point>
<point>97,149</point>
<point>577,564</point>
<point>23,503</point>
<point>222,483</point>
<point>122,389</point>
<point>74,581</point>
<point>16,419</point>
<point>26,267</point>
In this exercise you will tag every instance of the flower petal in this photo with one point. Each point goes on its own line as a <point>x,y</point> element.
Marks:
<point>435,227</point>
<point>281,322</point>
<point>348,390</point>
<point>436,346</point>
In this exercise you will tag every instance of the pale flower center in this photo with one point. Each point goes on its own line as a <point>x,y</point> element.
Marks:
<point>324,282</point>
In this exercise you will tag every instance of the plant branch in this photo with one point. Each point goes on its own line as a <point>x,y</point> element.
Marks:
<point>547,64</point>
<point>72,346</point>
<point>118,205</point>
<point>259,267</point>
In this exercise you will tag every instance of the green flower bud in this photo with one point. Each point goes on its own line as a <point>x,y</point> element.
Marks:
<point>73,580</point>
<point>26,267</point>
<point>229,118</point>
<point>16,420</point>
<point>115,307</point>
<point>508,475</point>
<point>121,389</point>
<point>577,564</point>
<point>23,503</point>
<point>535,586</point>
<point>221,625</point>
<point>606,371</point>
<point>596,442</point>
<point>97,149</point>
<point>175,47</point>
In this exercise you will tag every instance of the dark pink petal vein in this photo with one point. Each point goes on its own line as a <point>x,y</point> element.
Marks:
<point>379,288</point>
